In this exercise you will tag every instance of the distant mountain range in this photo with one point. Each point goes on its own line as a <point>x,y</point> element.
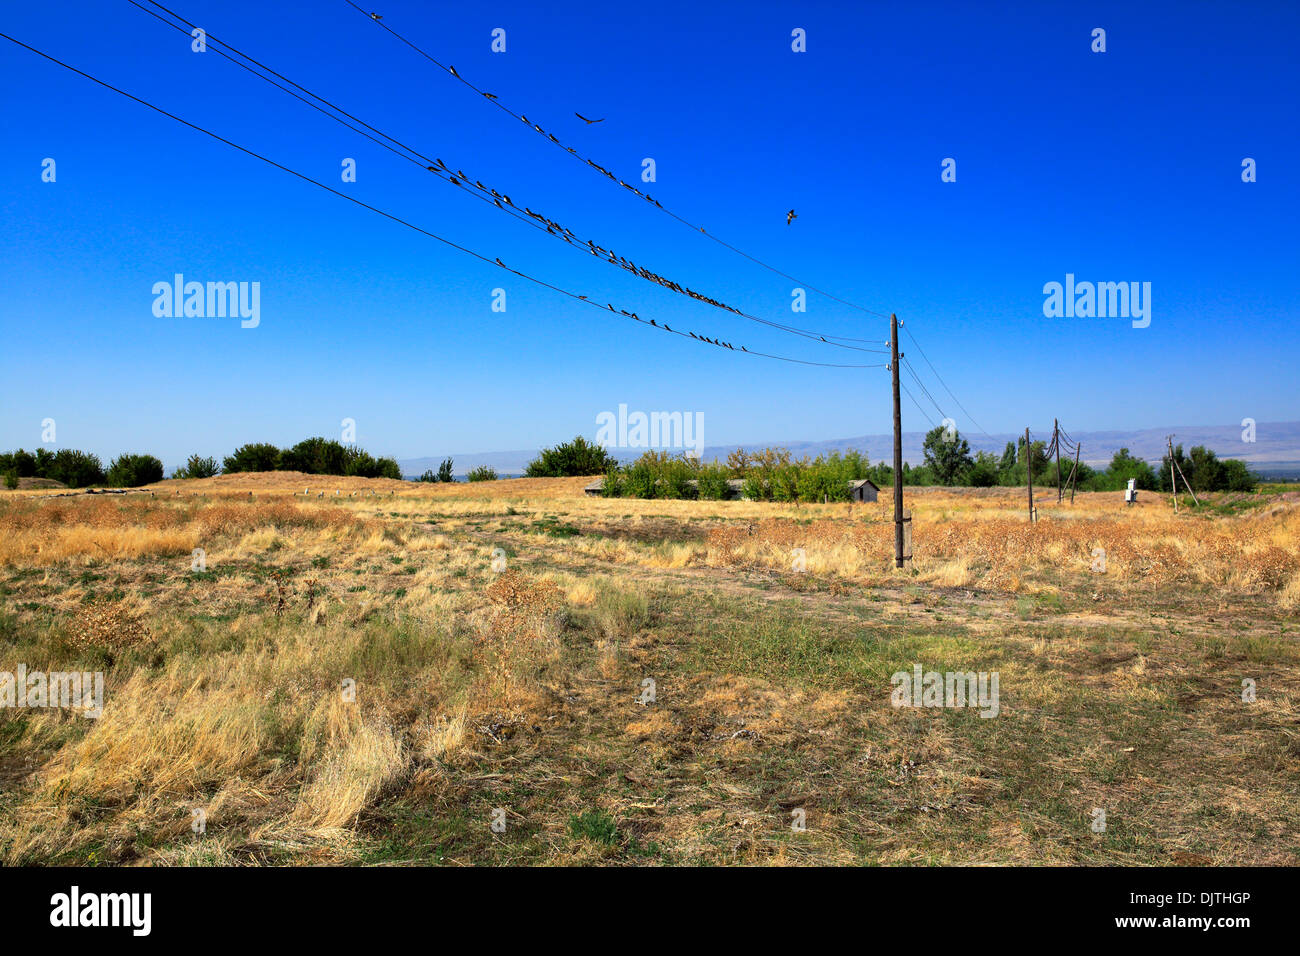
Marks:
<point>1275,453</point>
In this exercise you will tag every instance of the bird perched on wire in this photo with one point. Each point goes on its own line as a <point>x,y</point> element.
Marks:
<point>791,216</point>
<point>375,16</point>
<point>588,121</point>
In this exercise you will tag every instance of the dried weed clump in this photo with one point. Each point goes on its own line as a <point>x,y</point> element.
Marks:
<point>106,627</point>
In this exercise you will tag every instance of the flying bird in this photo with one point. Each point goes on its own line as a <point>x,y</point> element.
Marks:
<point>791,216</point>
<point>588,121</point>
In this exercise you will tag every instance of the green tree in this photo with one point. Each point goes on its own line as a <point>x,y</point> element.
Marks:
<point>481,473</point>
<point>947,455</point>
<point>571,459</point>
<point>444,471</point>
<point>133,471</point>
<point>1007,464</point>
<point>197,467</point>
<point>388,468</point>
<point>259,456</point>
<point>315,456</point>
<point>983,471</point>
<point>1124,466</point>
<point>76,469</point>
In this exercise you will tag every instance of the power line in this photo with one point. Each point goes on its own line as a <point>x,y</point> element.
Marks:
<point>921,385</point>
<point>538,221</point>
<point>412,226</point>
<point>550,137</point>
<point>943,383</point>
<point>923,412</point>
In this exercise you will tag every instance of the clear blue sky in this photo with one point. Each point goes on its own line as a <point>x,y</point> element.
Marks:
<point>1122,166</point>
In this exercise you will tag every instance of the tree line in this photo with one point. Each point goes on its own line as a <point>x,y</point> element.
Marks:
<point>773,474</point>
<point>79,469</point>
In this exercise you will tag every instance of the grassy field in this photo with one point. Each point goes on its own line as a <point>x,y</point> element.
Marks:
<point>374,672</point>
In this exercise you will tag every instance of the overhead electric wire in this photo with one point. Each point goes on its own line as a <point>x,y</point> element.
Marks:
<point>409,225</point>
<point>945,384</point>
<point>534,219</point>
<point>550,137</point>
<point>921,385</point>
<point>924,413</point>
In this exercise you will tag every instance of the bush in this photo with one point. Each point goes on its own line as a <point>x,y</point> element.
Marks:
<point>259,456</point>
<point>983,472</point>
<point>571,459</point>
<point>674,480</point>
<point>388,468</point>
<point>76,469</point>
<point>428,476</point>
<point>613,484</point>
<point>444,470</point>
<point>481,473</point>
<point>132,471</point>
<point>713,482</point>
<point>755,487</point>
<point>197,467</point>
<point>11,479</point>
<point>639,480</point>
<point>315,456</point>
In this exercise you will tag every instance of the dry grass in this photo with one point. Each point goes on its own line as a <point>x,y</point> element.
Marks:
<point>350,680</point>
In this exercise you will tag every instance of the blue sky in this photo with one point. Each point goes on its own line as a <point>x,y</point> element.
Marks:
<point>1118,166</point>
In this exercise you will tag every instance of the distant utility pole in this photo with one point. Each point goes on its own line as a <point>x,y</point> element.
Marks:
<point>898,444</point>
<point>1173,475</point>
<point>1173,464</point>
<point>1056,440</point>
<point>1029,473</point>
<point>1074,471</point>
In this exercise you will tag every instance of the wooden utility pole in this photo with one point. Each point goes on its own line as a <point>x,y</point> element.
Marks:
<point>898,444</point>
<point>1173,474</point>
<point>1056,440</point>
<point>1074,471</point>
<point>1029,473</point>
<point>1186,484</point>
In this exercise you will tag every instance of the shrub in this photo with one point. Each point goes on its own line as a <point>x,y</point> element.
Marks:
<point>756,488</point>
<point>428,476</point>
<point>11,479</point>
<point>132,471</point>
<point>259,456</point>
<point>388,468</point>
<point>197,467</point>
<point>639,480</point>
<point>613,484</point>
<point>76,469</point>
<point>674,479</point>
<point>359,463</point>
<point>315,456</point>
<point>444,470</point>
<point>571,459</point>
<point>785,483</point>
<point>713,482</point>
<point>481,473</point>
